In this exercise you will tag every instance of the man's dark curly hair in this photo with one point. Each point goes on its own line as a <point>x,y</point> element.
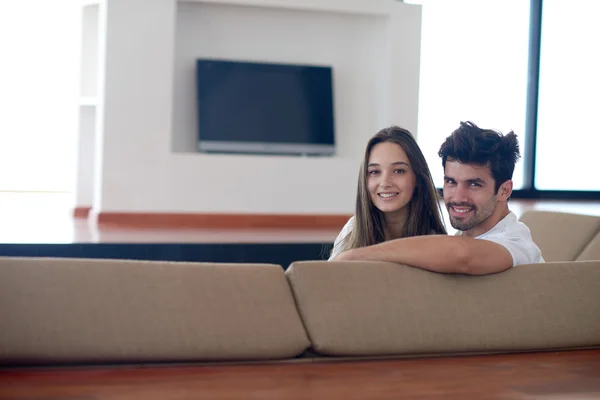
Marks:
<point>470,144</point>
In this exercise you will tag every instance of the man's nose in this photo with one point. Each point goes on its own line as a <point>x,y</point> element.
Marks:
<point>460,193</point>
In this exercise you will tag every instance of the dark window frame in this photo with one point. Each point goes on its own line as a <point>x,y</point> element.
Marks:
<point>529,190</point>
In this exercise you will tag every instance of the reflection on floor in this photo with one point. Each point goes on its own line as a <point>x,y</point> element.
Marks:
<point>46,218</point>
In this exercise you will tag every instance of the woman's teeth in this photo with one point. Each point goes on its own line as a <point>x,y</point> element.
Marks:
<point>387,195</point>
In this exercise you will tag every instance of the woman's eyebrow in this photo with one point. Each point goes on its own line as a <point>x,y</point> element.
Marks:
<point>394,163</point>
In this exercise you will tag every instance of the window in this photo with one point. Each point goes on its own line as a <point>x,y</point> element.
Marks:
<point>38,98</point>
<point>474,58</point>
<point>527,66</point>
<point>567,126</point>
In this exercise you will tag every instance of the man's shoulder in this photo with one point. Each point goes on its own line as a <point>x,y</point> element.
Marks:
<point>515,236</point>
<point>508,226</point>
<point>515,227</point>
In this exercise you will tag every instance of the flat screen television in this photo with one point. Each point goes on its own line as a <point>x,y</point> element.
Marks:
<point>251,107</point>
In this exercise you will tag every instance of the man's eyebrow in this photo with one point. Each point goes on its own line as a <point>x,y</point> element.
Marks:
<point>473,180</point>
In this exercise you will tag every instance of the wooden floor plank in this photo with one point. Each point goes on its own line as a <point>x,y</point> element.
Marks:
<point>556,375</point>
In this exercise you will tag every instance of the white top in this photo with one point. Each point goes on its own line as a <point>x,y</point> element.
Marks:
<point>343,233</point>
<point>516,238</point>
<point>511,233</point>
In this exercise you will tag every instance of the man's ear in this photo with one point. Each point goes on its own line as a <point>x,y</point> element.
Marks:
<point>505,190</point>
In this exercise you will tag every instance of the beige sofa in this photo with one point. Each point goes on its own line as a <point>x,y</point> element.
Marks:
<point>564,236</point>
<point>74,311</point>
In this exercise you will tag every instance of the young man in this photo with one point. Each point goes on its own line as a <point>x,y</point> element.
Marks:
<point>478,168</point>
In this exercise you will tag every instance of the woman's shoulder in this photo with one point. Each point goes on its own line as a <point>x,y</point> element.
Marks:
<point>346,229</point>
<point>341,236</point>
<point>349,224</point>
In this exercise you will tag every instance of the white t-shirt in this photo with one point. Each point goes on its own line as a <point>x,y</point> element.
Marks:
<point>515,236</point>
<point>511,233</point>
<point>343,233</point>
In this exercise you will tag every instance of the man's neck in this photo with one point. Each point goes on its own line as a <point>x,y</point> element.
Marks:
<point>500,212</point>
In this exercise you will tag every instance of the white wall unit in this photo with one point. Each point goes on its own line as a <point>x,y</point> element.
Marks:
<point>146,133</point>
<point>351,44</point>
<point>89,51</point>
<point>88,101</point>
<point>370,7</point>
<point>85,156</point>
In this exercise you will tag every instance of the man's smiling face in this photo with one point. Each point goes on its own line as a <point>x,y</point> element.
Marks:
<point>469,194</point>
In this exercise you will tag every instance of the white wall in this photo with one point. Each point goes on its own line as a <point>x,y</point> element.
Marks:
<point>147,129</point>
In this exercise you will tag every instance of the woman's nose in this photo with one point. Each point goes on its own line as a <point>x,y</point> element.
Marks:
<point>385,180</point>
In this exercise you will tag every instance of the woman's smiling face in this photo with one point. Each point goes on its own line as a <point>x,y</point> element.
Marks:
<point>391,180</point>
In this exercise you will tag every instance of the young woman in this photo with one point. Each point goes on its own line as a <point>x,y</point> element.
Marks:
<point>396,197</point>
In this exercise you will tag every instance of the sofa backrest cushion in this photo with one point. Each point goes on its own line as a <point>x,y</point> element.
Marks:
<point>592,250</point>
<point>561,236</point>
<point>56,311</point>
<point>381,309</point>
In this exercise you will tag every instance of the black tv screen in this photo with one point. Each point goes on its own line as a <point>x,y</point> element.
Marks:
<point>250,107</point>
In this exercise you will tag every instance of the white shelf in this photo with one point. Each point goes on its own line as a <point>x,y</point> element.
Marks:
<point>88,101</point>
<point>89,52</point>
<point>86,3</point>
<point>362,7</point>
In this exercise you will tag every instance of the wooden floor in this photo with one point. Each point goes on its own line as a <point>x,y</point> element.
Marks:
<point>566,375</point>
<point>46,218</point>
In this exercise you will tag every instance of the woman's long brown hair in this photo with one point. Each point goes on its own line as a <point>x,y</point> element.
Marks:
<point>424,214</point>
